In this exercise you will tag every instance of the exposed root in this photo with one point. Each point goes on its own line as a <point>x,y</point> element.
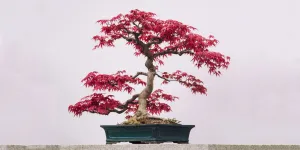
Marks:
<point>149,120</point>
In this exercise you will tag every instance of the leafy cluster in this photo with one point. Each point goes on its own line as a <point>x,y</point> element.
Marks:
<point>115,82</point>
<point>104,105</point>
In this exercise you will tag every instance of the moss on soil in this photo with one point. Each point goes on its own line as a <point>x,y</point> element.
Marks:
<point>149,120</point>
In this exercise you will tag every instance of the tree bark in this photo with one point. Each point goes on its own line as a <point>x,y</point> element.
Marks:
<point>143,96</point>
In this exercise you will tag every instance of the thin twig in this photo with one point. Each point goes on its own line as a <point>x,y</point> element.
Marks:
<point>165,78</point>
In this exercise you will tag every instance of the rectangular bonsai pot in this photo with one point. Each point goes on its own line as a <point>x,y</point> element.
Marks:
<point>149,133</point>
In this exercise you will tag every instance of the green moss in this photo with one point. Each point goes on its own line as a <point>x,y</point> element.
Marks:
<point>149,120</point>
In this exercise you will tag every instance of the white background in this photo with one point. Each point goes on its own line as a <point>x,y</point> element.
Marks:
<point>46,49</point>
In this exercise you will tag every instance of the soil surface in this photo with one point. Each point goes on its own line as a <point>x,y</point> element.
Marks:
<point>150,120</point>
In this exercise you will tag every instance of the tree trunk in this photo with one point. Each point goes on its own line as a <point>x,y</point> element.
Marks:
<point>142,109</point>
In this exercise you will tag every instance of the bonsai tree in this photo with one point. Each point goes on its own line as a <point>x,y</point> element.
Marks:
<point>156,40</point>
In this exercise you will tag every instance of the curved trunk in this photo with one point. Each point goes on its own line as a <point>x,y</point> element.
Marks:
<point>142,109</point>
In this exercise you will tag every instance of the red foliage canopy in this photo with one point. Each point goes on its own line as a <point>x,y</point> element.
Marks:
<point>162,38</point>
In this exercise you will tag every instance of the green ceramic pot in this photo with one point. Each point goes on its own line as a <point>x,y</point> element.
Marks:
<point>150,133</point>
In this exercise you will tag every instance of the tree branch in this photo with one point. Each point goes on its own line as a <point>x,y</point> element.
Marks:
<point>127,31</point>
<point>136,36</point>
<point>139,73</point>
<point>173,51</point>
<point>154,40</point>
<point>135,76</point>
<point>129,101</point>
<point>145,47</point>
<point>128,38</point>
<point>137,25</point>
<point>165,78</point>
<point>122,107</point>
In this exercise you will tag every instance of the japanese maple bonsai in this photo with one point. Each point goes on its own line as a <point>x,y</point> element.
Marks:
<point>156,40</point>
